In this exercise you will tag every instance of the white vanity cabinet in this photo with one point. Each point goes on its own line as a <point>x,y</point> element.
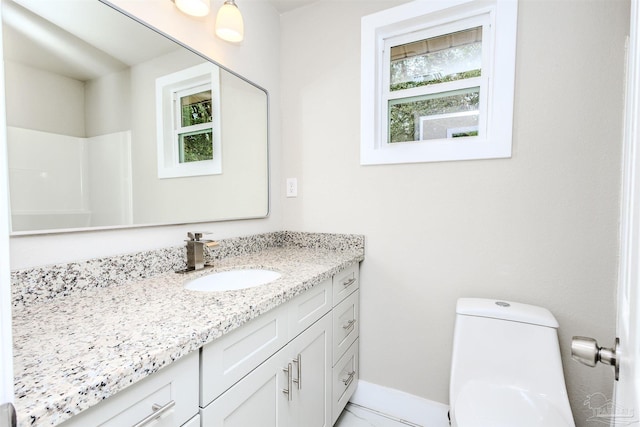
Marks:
<point>228,359</point>
<point>288,387</point>
<point>168,398</point>
<point>345,315</point>
<point>305,384</point>
<point>291,388</point>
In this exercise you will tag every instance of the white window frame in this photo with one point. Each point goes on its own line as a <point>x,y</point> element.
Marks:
<point>425,19</point>
<point>169,89</point>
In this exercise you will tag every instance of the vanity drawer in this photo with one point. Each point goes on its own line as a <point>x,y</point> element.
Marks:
<point>308,307</point>
<point>345,380</point>
<point>345,282</point>
<point>173,389</point>
<point>226,360</point>
<point>345,324</point>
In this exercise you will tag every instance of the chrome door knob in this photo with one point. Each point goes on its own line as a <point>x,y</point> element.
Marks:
<point>587,351</point>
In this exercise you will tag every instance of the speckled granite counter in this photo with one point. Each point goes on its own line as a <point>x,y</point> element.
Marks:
<point>86,342</point>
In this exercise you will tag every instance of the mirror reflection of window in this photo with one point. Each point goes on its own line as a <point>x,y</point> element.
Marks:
<point>195,130</point>
<point>189,139</point>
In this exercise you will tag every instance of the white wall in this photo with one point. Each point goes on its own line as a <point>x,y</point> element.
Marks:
<point>108,104</point>
<point>540,228</point>
<point>34,100</point>
<point>256,58</point>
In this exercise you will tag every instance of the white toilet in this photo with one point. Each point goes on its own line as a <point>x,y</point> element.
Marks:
<point>506,369</point>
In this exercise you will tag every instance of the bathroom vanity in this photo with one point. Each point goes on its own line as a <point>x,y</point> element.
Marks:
<point>149,352</point>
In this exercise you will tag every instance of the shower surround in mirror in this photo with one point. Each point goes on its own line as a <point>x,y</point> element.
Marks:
<point>83,124</point>
<point>61,181</point>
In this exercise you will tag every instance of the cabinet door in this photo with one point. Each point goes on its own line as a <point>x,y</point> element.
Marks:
<point>311,358</point>
<point>228,359</point>
<point>259,400</point>
<point>256,400</point>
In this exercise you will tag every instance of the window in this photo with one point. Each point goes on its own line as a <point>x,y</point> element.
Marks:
<point>188,122</point>
<point>437,82</point>
<point>194,124</point>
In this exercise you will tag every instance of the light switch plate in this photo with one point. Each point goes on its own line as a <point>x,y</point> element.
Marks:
<point>292,187</point>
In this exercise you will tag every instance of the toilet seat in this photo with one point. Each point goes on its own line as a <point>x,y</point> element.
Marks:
<point>481,404</point>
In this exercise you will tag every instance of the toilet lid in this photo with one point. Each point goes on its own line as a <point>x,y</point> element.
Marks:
<point>481,405</point>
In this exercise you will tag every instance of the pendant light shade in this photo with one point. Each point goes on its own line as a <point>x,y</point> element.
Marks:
<point>193,7</point>
<point>229,24</point>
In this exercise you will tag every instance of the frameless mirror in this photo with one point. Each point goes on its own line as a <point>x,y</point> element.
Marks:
<point>113,124</point>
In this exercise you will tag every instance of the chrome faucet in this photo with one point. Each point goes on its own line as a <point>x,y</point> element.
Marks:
<point>195,250</point>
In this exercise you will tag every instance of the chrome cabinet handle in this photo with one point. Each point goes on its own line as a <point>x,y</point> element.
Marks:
<point>298,362</point>
<point>158,410</point>
<point>349,282</point>
<point>289,390</point>
<point>347,381</point>
<point>349,324</point>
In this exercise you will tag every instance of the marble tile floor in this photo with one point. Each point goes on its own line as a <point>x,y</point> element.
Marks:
<point>359,416</point>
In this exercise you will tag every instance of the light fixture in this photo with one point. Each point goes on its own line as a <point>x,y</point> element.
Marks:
<point>193,7</point>
<point>229,25</point>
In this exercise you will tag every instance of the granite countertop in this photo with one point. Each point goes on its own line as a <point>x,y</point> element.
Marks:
<point>72,352</point>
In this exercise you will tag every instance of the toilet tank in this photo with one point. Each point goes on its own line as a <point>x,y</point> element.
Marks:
<point>501,344</point>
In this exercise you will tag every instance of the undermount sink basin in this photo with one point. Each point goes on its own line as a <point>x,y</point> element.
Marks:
<point>232,280</point>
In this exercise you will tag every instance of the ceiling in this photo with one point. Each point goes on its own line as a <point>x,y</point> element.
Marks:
<point>283,6</point>
<point>52,38</point>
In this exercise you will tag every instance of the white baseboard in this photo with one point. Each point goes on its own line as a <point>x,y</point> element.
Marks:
<point>401,405</point>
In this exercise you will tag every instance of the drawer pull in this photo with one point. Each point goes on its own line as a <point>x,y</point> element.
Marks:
<point>298,363</point>
<point>347,381</point>
<point>158,410</point>
<point>349,282</point>
<point>349,324</point>
<point>289,390</point>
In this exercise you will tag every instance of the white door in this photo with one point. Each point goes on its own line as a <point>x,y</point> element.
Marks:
<point>6,353</point>
<point>626,407</point>
<point>624,410</point>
